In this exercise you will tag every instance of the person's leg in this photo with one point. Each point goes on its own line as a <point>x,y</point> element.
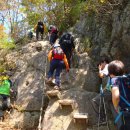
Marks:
<point>41,34</point>
<point>58,72</point>
<point>52,68</point>
<point>96,103</point>
<point>107,95</point>
<point>6,102</point>
<point>1,102</point>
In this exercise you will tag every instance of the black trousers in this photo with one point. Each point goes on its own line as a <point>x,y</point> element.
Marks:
<point>39,32</point>
<point>53,38</point>
<point>5,100</point>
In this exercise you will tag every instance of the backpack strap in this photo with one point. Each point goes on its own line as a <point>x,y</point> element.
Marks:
<point>118,117</point>
<point>128,104</point>
<point>124,99</point>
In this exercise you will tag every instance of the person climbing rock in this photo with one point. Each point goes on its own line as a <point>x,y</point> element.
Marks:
<point>53,34</point>
<point>104,81</point>
<point>39,28</point>
<point>67,44</point>
<point>30,34</point>
<point>120,94</point>
<point>57,60</point>
<point>5,89</point>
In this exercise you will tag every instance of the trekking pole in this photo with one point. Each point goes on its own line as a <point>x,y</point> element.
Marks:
<point>104,108</point>
<point>99,109</point>
<point>104,105</point>
<point>41,109</point>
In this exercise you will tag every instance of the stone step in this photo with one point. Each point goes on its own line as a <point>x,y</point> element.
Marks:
<point>53,93</point>
<point>67,102</point>
<point>80,116</point>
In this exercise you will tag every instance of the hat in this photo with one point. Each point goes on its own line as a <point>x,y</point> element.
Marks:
<point>56,45</point>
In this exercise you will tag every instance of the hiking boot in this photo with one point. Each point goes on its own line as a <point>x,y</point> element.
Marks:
<point>57,87</point>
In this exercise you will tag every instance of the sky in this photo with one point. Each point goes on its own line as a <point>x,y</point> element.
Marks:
<point>10,16</point>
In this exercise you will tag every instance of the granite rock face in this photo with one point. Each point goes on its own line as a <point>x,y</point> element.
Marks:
<point>28,77</point>
<point>108,36</point>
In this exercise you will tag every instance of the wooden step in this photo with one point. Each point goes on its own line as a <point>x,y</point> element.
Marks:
<point>66,102</point>
<point>80,116</point>
<point>53,93</point>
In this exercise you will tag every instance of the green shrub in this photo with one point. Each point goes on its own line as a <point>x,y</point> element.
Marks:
<point>5,44</point>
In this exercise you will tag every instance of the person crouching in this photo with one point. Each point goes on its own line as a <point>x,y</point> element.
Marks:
<point>57,60</point>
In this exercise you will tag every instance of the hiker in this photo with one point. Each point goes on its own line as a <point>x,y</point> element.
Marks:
<point>5,89</point>
<point>103,67</point>
<point>67,44</point>
<point>57,60</point>
<point>120,94</point>
<point>39,27</point>
<point>30,35</point>
<point>53,34</point>
<point>104,81</point>
<point>103,71</point>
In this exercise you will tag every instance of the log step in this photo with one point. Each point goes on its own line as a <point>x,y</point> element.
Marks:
<point>66,102</point>
<point>53,93</point>
<point>80,116</point>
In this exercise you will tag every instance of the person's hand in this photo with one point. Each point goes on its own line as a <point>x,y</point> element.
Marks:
<point>67,70</point>
<point>100,67</point>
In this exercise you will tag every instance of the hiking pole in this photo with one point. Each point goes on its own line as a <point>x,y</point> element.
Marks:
<point>104,108</point>
<point>104,105</point>
<point>99,112</point>
<point>43,95</point>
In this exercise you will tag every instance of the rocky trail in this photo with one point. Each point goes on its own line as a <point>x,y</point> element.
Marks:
<point>71,108</point>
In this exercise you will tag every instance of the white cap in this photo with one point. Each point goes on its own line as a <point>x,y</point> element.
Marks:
<point>56,45</point>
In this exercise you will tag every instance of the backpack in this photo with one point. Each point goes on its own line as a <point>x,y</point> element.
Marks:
<point>57,53</point>
<point>40,25</point>
<point>67,39</point>
<point>123,117</point>
<point>66,42</point>
<point>125,86</point>
<point>54,30</point>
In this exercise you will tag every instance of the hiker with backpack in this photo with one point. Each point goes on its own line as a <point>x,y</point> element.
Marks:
<point>53,34</point>
<point>39,27</point>
<point>67,44</point>
<point>5,91</point>
<point>120,94</point>
<point>104,80</point>
<point>57,60</point>
<point>30,34</point>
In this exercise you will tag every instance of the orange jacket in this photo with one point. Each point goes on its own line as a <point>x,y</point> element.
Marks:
<point>50,57</point>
